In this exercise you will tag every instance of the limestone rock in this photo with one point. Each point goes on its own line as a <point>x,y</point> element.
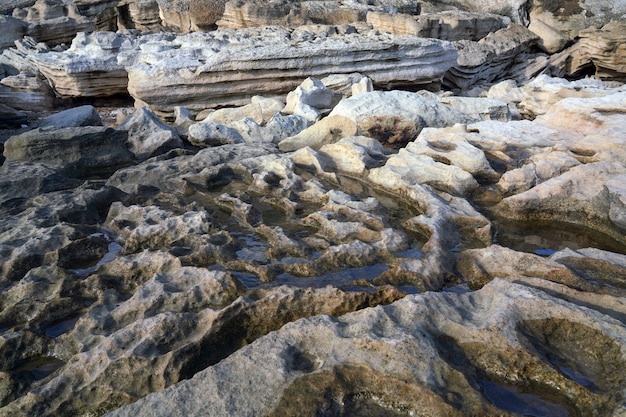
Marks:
<point>550,39</point>
<point>450,25</point>
<point>25,180</point>
<point>395,117</point>
<point>213,134</point>
<point>310,99</point>
<point>147,135</point>
<point>328,130</point>
<point>89,68</point>
<point>53,22</point>
<point>479,108</point>
<point>577,197</point>
<point>260,109</point>
<point>597,115</point>
<point>487,60</point>
<point>79,152</point>
<point>26,91</point>
<point>603,49</point>
<point>277,60</point>
<point>450,146</point>
<point>12,30</point>
<point>572,18</point>
<point>243,14</point>
<point>336,358</point>
<point>76,117</point>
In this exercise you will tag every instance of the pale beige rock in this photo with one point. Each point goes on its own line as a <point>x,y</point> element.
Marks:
<point>604,48</point>
<point>328,130</point>
<point>550,39</point>
<point>407,362</point>
<point>450,146</point>
<point>26,91</point>
<point>479,108</point>
<point>576,197</point>
<point>450,25</point>
<point>266,61</point>
<point>544,91</point>
<point>260,109</point>
<point>396,117</point>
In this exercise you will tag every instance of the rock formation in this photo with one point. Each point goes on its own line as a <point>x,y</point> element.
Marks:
<point>362,209</point>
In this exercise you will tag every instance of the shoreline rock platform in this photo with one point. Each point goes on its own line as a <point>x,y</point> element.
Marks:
<point>336,208</point>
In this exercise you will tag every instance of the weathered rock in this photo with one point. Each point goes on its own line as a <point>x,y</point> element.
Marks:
<point>395,117</point>
<point>76,117</point>
<point>488,60</point>
<point>323,362</point>
<point>269,56</point>
<point>26,91</point>
<point>603,49</point>
<point>89,68</point>
<point>260,109</point>
<point>310,99</point>
<point>577,197</point>
<point>245,14</point>
<point>53,22</point>
<point>451,147</point>
<point>600,115</point>
<point>213,134</point>
<point>148,136</point>
<point>10,119</point>
<point>449,26</point>
<point>328,130</point>
<point>550,39</point>
<point>478,108</point>
<point>12,30</point>
<point>573,17</point>
<point>24,180</point>
<point>77,151</point>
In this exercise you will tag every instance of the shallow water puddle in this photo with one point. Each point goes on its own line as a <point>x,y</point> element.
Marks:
<point>511,400</point>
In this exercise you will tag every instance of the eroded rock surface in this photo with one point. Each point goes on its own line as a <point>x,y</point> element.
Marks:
<point>298,241</point>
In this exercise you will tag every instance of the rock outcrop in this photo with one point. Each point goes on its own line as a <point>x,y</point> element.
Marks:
<point>295,219</point>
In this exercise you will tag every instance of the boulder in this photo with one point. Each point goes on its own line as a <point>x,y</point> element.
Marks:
<point>603,49</point>
<point>310,99</point>
<point>148,136</point>
<point>395,117</point>
<point>27,91</point>
<point>328,130</point>
<point>75,117</point>
<point>76,151</point>
<point>213,134</point>
<point>551,40</point>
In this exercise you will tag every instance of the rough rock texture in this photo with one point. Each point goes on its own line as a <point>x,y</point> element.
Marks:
<point>432,347</point>
<point>604,49</point>
<point>80,152</point>
<point>395,117</point>
<point>277,60</point>
<point>488,59</point>
<point>450,26</point>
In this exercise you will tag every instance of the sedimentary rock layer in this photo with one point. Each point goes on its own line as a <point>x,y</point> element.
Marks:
<point>227,67</point>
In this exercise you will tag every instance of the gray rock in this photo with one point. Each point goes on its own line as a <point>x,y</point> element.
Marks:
<point>148,136</point>
<point>488,60</point>
<point>10,118</point>
<point>207,134</point>
<point>75,117</point>
<point>75,151</point>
